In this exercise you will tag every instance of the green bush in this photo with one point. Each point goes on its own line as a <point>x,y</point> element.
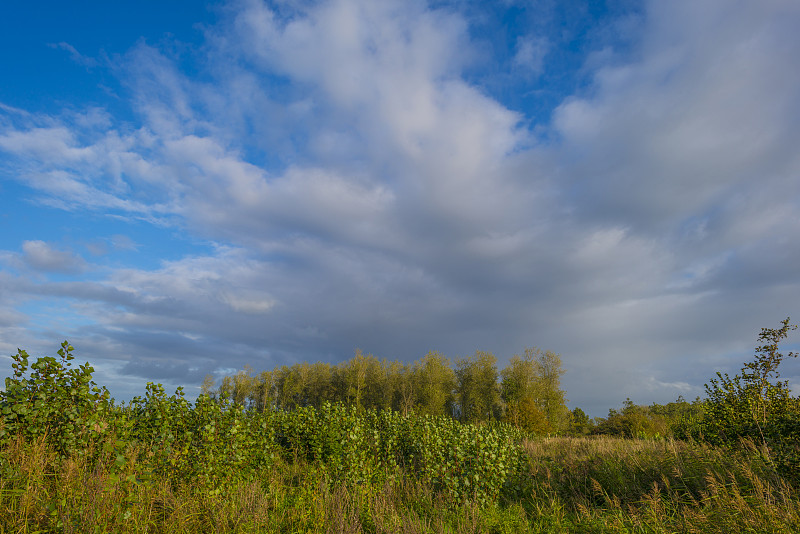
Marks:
<point>633,421</point>
<point>55,400</point>
<point>756,405</point>
<point>167,437</point>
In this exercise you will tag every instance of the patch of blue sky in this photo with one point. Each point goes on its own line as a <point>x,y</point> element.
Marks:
<point>53,317</point>
<point>566,34</point>
<point>99,238</point>
<point>57,53</point>
<point>144,246</point>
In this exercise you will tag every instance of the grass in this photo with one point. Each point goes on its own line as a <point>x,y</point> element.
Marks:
<point>569,485</point>
<point>618,485</point>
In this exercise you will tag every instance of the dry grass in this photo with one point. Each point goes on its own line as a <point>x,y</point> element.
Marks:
<point>661,486</point>
<point>572,485</point>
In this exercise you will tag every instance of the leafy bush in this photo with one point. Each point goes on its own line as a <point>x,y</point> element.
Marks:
<point>527,416</point>
<point>633,421</point>
<point>55,400</point>
<point>756,405</point>
<point>167,437</point>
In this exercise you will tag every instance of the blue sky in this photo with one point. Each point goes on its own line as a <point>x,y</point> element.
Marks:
<point>188,188</point>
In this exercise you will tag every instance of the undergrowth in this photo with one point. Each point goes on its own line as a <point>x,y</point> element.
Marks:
<point>73,461</point>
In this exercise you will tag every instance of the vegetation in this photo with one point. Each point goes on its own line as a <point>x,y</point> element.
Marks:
<point>273,454</point>
<point>756,405</point>
<point>530,389</point>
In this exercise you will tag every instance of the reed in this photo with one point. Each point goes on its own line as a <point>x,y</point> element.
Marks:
<point>568,485</point>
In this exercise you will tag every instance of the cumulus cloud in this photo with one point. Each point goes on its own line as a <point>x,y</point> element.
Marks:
<point>362,192</point>
<point>41,256</point>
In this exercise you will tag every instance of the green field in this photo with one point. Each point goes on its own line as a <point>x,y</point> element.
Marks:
<point>562,484</point>
<point>72,460</point>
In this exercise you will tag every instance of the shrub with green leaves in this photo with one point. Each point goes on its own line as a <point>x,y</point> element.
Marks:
<point>167,437</point>
<point>466,461</point>
<point>355,446</point>
<point>54,399</point>
<point>756,405</point>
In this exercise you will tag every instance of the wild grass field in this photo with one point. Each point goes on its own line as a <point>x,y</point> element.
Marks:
<point>72,460</point>
<point>566,484</point>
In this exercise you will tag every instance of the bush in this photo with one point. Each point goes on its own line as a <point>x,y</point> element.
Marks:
<point>633,421</point>
<point>756,405</point>
<point>55,400</point>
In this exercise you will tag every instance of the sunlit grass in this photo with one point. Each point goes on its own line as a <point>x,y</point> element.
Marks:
<point>571,485</point>
<point>617,485</point>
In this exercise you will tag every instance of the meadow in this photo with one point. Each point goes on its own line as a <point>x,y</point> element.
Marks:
<point>72,460</point>
<point>562,484</point>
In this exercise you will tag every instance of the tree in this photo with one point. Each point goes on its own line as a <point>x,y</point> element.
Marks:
<point>207,387</point>
<point>477,392</point>
<point>521,379</point>
<point>240,387</point>
<point>434,382</point>
<point>536,376</point>
<point>320,384</point>
<point>633,421</point>
<point>378,392</point>
<point>553,401</point>
<point>402,386</point>
<point>579,422</point>
<point>292,384</point>
<point>745,405</point>
<point>526,415</point>
<point>352,378</point>
<point>265,391</point>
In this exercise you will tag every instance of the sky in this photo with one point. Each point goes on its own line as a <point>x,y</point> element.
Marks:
<point>189,187</point>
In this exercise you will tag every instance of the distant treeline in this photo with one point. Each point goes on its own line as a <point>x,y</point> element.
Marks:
<point>527,393</point>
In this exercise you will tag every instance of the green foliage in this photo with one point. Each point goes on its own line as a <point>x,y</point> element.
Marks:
<point>755,404</point>
<point>434,382</point>
<point>365,447</point>
<point>633,421</point>
<point>228,464</point>
<point>168,438</point>
<point>465,461</point>
<point>477,392</point>
<point>526,415</point>
<point>580,424</point>
<point>469,393</point>
<point>56,400</point>
<point>535,377</point>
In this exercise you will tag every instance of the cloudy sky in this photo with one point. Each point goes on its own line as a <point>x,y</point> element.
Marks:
<point>191,188</point>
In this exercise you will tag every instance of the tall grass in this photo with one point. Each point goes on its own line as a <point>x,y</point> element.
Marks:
<point>620,485</point>
<point>568,485</point>
<point>40,492</point>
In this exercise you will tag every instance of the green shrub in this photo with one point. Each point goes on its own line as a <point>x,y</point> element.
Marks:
<point>56,400</point>
<point>756,405</point>
<point>633,421</point>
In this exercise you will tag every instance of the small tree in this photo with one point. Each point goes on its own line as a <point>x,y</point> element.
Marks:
<point>743,406</point>
<point>758,406</point>
<point>580,424</point>
<point>55,400</point>
<point>526,415</point>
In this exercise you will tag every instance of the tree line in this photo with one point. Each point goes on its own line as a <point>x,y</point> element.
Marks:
<point>526,393</point>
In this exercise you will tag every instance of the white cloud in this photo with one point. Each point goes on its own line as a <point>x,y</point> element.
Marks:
<point>530,53</point>
<point>706,109</point>
<point>368,195</point>
<point>41,256</point>
<point>76,56</point>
